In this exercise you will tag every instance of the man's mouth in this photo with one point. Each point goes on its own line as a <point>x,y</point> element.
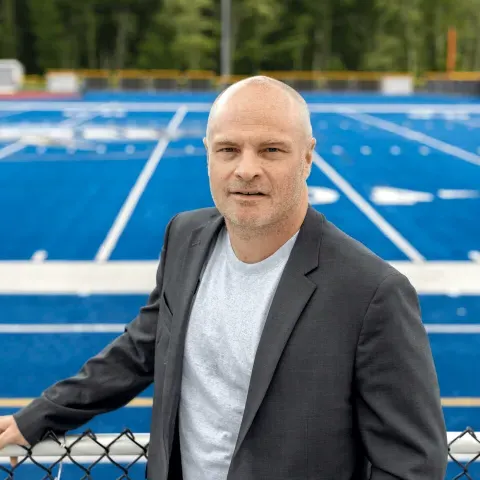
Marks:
<point>248,193</point>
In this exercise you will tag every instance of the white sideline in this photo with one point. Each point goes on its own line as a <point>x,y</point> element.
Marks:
<point>138,277</point>
<point>137,190</point>
<point>35,328</point>
<point>386,228</point>
<point>447,328</point>
<point>416,136</point>
<point>71,328</point>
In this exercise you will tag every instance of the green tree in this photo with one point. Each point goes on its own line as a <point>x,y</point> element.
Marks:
<point>397,38</point>
<point>49,33</point>
<point>410,35</point>
<point>8,40</point>
<point>155,51</point>
<point>194,42</point>
<point>254,25</point>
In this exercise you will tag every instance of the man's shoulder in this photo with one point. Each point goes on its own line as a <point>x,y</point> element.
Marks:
<point>192,219</point>
<point>184,223</point>
<point>352,259</point>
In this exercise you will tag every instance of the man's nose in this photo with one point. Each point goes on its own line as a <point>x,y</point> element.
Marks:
<point>248,166</point>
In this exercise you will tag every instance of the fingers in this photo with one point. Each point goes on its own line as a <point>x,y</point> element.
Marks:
<point>5,438</point>
<point>8,438</point>
<point>9,435</point>
<point>4,423</point>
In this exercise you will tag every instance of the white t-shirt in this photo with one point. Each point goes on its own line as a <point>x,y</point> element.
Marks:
<point>225,326</point>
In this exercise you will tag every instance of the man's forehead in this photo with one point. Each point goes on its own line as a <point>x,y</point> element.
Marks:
<point>235,129</point>
<point>257,99</point>
<point>260,115</point>
<point>259,105</point>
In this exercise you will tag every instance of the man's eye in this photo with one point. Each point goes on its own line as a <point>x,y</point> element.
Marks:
<point>272,149</point>
<point>227,149</point>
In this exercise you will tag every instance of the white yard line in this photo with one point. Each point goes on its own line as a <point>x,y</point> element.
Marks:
<point>136,192</point>
<point>11,149</point>
<point>415,136</point>
<point>10,114</point>
<point>388,230</point>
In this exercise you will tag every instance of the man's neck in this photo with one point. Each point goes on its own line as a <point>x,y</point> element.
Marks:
<point>252,246</point>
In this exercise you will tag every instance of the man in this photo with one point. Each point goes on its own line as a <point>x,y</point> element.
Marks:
<point>279,347</point>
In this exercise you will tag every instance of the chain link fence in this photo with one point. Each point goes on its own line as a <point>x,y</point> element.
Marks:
<point>126,452</point>
<point>463,452</point>
<point>87,453</point>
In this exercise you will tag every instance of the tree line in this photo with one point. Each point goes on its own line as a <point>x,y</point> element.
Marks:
<point>271,35</point>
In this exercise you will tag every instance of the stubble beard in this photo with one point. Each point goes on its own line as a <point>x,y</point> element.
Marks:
<point>271,222</point>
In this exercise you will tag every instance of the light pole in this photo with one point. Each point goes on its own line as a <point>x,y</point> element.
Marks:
<point>226,53</point>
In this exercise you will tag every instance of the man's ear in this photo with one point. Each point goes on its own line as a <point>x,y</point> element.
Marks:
<point>309,157</point>
<point>205,143</point>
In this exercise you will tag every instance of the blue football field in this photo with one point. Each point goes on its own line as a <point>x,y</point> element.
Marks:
<point>88,186</point>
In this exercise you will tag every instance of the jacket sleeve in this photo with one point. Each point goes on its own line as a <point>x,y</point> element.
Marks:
<point>398,397</point>
<point>106,382</point>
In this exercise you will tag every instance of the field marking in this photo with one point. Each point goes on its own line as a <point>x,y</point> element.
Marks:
<point>416,136</point>
<point>138,277</point>
<point>20,145</point>
<point>35,328</point>
<point>146,402</point>
<point>386,228</point>
<point>9,114</point>
<point>468,124</point>
<point>136,192</point>
<point>70,328</point>
<point>139,402</point>
<point>11,149</point>
<point>173,106</point>
<point>449,328</point>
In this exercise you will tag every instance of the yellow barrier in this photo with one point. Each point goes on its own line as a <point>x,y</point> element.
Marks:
<point>171,79</point>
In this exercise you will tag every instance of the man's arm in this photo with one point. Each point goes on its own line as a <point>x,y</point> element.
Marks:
<point>106,382</point>
<point>398,399</point>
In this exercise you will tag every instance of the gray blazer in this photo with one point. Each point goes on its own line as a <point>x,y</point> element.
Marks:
<point>343,385</point>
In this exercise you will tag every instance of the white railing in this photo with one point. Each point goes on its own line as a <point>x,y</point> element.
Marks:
<point>128,447</point>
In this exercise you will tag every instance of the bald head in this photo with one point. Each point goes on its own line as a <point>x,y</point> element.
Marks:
<point>272,94</point>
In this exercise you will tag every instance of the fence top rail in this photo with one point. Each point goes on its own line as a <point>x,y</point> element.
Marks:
<point>86,444</point>
<point>312,75</point>
<point>127,443</point>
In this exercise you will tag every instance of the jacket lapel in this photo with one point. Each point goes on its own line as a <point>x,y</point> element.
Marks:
<point>200,242</point>
<point>293,292</point>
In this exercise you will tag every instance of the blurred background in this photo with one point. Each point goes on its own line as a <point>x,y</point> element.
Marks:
<point>103,107</point>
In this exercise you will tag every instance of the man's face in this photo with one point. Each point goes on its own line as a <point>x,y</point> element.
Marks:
<point>259,158</point>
